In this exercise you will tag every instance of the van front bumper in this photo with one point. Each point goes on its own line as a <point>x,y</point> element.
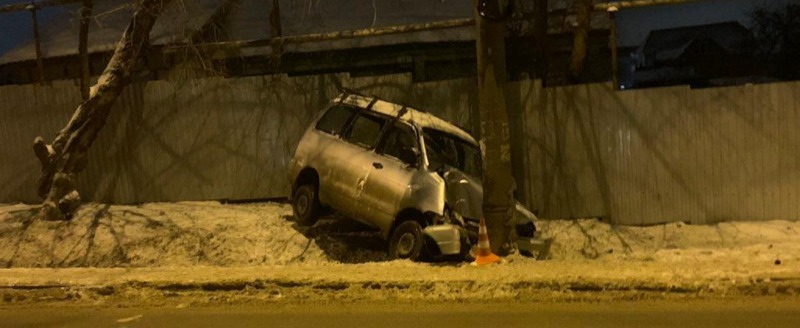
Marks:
<point>447,237</point>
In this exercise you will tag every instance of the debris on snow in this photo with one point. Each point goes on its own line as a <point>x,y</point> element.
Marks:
<point>130,319</point>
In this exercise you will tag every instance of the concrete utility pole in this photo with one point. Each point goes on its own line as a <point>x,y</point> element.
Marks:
<point>38,44</point>
<point>83,47</point>
<point>612,15</point>
<point>276,32</point>
<point>540,35</point>
<point>581,40</point>
<point>498,182</point>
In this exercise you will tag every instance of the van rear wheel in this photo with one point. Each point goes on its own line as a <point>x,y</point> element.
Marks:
<point>305,204</point>
<point>407,242</point>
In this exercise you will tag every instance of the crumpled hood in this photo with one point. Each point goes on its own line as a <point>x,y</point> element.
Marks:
<point>464,194</point>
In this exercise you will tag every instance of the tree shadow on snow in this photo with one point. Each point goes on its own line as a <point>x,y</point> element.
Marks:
<point>348,241</point>
<point>345,240</point>
<point>98,236</point>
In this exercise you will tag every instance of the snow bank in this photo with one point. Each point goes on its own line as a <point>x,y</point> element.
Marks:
<point>159,234</point>
<point>765,241</point>
<point>213,234</point>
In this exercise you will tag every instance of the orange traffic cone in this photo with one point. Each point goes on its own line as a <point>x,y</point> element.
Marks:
<point>484,254</point>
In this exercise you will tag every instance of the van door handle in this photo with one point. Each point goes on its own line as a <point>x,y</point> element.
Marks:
<point>377,165</point>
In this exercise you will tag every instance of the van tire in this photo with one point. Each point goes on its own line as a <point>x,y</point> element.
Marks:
<point>305,205</point>
<point>407,241</point>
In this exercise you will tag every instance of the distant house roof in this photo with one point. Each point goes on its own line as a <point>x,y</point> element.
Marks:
<point>670,44</point>
<point>249,19</point>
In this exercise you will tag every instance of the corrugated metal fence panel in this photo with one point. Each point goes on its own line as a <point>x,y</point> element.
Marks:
<point>641,141</point>
<point>637,157</point>
<point>217,138</point>
<point>110,180</point>
<point>533,104</point>
<point>561,152</point>
<point>661,155</point>
<point>453,100</point>
<point>26,112</point>
<point>168,141</point>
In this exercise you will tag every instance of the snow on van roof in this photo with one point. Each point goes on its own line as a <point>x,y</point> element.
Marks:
<point>413,115</point>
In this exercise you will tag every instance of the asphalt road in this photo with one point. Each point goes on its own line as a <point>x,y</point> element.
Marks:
<point>743,313</point>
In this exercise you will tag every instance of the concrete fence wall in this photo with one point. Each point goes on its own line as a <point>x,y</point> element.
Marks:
<point>634,157</point>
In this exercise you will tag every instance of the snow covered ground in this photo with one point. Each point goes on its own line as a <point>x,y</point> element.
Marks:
<point>158,234</point>
<point>202,246</point>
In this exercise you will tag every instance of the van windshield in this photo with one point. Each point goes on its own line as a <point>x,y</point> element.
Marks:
<point>443,148</point>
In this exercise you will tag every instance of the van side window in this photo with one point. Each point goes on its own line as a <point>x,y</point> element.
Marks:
<point>396,138</point>
<point>365,130</point>
<point>335,118</point>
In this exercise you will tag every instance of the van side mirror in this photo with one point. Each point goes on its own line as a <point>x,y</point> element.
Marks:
<point>409,155</point>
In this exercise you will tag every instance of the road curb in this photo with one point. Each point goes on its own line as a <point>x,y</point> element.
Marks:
<point>321,290</point>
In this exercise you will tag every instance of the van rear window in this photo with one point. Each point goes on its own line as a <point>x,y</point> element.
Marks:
<point>335,119</point>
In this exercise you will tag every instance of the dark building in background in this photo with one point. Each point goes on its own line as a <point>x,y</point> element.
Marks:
<point>699,56</point>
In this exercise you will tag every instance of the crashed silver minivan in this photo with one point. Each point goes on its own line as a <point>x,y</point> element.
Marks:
<point>410,174</point>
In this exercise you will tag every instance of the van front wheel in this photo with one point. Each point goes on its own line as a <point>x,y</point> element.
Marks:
<point>407,241</point>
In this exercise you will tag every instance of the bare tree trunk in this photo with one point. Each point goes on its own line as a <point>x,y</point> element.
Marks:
<point>66,156</point>
<point>584,9</point>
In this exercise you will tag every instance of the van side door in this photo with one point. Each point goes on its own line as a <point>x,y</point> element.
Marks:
<point>326,147</point>
<point>354,162</point>
<point>393,167</point>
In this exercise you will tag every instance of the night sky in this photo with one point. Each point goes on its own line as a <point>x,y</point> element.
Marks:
<point>634,24</point>
<point>16,27</point>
